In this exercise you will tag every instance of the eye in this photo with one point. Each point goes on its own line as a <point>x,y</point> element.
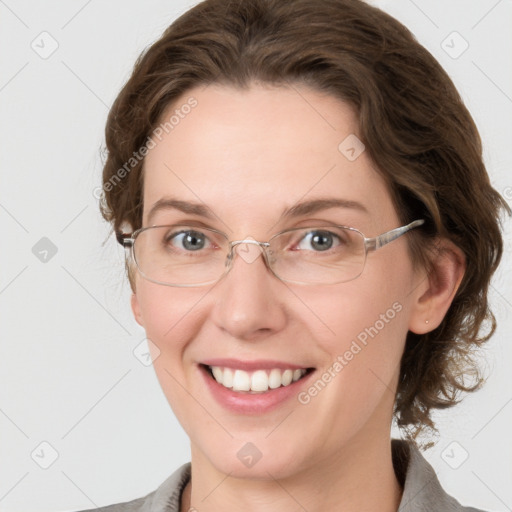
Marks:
<point>189,240</point>
<point>318,240</point>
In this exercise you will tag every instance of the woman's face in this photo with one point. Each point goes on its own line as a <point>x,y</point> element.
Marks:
<point>248,156</point>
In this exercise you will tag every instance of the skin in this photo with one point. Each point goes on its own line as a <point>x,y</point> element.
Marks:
<point>248,155</point>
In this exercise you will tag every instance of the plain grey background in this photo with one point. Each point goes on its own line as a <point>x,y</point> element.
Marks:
<point>83,421</point>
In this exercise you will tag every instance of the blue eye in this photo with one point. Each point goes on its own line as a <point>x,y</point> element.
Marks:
<point>190,240</point>
<point>318,240</point>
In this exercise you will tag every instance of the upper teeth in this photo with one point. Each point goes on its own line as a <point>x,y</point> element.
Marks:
<point>258,381</point>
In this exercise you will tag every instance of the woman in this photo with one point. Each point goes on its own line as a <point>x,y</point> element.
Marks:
<point>310,233</point>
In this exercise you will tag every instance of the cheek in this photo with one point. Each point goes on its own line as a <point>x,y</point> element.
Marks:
<point>368,321</point>
<point>361,310</point>
<point>169,315</point>
<point>358,378</point>
<point>171,319</point>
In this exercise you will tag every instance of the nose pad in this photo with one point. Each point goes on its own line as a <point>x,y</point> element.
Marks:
<point>248,249</point>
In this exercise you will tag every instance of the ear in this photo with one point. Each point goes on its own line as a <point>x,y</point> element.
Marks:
<point>436,290</point>
<point>136,309</point>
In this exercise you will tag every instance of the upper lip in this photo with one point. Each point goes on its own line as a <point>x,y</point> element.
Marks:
<point>260,364</point>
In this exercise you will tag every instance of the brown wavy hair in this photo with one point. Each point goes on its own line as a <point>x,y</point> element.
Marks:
<point>412,121</point>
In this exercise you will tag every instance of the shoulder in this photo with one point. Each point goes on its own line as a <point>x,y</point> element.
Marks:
<point>421,487</point>
<point>166,498</point>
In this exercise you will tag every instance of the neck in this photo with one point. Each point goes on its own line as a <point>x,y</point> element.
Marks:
<point>360,478</point>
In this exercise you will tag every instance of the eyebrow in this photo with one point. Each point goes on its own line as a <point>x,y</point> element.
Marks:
<point>297,210</point>
<point>168,203</point>
<point>316,205</point>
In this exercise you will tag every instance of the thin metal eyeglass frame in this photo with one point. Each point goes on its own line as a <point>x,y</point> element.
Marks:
<point>127,240</point>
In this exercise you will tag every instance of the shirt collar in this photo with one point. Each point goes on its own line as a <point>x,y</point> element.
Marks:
<point>421,487</point>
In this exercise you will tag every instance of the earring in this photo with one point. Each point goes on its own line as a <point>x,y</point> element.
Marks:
<point>426,321</point>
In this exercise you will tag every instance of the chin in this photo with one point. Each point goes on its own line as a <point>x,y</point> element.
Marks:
<point>255,460</point>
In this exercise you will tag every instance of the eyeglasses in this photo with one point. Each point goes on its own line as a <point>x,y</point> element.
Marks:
<point>186,256</point>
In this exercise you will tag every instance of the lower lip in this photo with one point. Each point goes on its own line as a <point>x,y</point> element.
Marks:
<point>252,403</point>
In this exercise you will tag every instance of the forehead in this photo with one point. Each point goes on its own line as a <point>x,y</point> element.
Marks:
<point>250,154</point>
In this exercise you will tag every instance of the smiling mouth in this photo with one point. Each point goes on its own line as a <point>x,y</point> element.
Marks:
<point>259,381</point>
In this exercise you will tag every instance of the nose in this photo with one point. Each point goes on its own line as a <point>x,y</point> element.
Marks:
<point>249,300</point>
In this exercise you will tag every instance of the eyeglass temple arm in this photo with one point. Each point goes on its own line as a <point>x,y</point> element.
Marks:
<point>125,239</point>
<point>372,244</point>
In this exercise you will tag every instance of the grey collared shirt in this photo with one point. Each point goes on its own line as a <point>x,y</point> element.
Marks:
<point>421,488</point>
